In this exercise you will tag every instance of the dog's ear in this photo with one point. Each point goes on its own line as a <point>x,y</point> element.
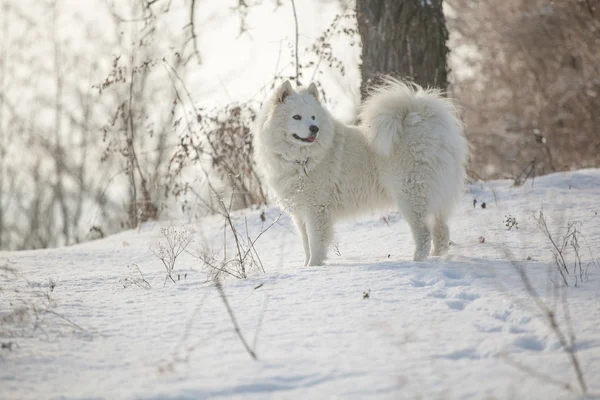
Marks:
<point>312,89</point>
<point>284,91</point>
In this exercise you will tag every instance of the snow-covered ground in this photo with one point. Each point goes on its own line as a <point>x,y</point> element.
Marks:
<point>452,327</point>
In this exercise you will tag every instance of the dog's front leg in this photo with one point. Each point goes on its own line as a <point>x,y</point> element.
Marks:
<point>304,235</point>
<point>319,228</point>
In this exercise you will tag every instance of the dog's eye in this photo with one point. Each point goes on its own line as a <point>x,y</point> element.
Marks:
<point>297,117</point>
<point>313,117</point>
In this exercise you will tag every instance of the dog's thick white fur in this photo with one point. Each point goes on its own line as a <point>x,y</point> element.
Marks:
<point>409,152</point>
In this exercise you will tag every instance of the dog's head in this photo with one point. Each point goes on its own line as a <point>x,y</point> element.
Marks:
<point>296,119</point>
<point>302,113</point>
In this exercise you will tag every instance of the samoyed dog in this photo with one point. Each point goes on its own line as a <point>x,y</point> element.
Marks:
<point>409,152</point>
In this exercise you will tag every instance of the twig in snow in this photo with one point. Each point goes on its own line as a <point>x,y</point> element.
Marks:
<point>137,278</point>
<point>177,241</point>
<point>536,374</point>
<point>236,326</point>
<point>569,240</point>
<point>567,342</point>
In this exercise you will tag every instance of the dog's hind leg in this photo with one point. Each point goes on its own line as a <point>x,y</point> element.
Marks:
<point>304,235</point>
<point>414,212</point>
<point>421,236</point>
<point>320,231</point>
<point>441,237</point>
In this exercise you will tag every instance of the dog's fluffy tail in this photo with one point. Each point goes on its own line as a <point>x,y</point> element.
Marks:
<point>394,104</point>
<point>422,127</point>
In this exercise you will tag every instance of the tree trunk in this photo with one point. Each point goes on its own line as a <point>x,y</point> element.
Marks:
<point>405,39</point>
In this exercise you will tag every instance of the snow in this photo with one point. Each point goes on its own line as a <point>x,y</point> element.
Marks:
<point>450,327</point>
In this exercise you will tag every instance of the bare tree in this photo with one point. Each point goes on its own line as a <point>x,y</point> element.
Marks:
<point>403,38</point>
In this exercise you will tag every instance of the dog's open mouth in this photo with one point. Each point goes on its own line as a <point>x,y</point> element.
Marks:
<point>309,139</point>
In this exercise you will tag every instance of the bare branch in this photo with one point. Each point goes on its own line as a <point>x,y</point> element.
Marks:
<point>194,38</point>
<point>296,43</point>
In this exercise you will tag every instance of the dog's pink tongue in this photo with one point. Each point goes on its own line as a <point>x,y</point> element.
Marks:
<point>311,138</point>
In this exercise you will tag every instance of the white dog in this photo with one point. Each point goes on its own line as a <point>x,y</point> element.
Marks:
<point>409,152</point>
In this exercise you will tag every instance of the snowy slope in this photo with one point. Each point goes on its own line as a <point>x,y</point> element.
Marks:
<point>450,328</point>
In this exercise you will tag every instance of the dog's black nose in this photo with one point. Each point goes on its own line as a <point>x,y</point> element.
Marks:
<point>313,129</point>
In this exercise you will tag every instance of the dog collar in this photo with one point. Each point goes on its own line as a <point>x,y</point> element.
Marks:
<point>303,164</point>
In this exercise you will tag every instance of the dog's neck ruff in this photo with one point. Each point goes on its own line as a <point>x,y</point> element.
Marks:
<point>293,156</point>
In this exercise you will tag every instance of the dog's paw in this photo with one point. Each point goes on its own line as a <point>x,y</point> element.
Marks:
<point>422,253</point>
<point>314,262</point>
